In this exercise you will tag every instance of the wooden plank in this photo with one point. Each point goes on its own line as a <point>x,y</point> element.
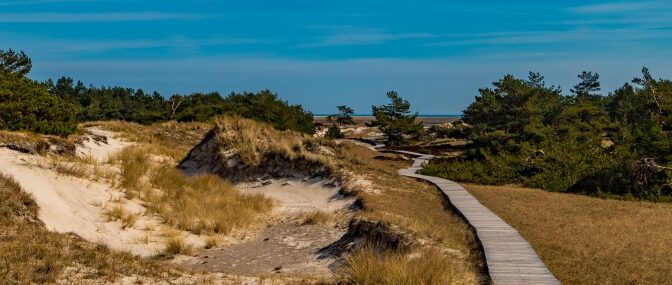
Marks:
<point>510,258</point>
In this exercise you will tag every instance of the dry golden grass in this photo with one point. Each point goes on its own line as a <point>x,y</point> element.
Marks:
<point>134,164</point>
<point>71,168</point>
<point>31,254</point>
<point>253,140</point>
<point>169,138</point>
<point>587,240</point>
<point>212,241</point>
<point>367,266</point>
<point>118,212</point>
<point>316,217</point>
<point>177,245</point>
<point>203,203</point>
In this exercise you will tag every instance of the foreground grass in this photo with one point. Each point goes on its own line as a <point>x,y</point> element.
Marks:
<point>427,267</point>
<point>586,240</point>
<point>31,254</point>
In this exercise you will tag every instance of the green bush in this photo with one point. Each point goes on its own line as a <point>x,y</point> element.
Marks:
<point>28,105</point>
<point>333,132</point>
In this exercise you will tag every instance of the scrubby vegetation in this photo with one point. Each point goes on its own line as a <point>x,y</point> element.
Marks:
<point>56,107</point>
<point>528,133</point>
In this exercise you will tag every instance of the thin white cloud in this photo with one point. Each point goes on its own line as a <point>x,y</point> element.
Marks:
<point>370,37</point>
<point>616,7</point>
<point>58,47</point>
<point>40,2</point>
<point>602,36</point>
<point>94,17</point>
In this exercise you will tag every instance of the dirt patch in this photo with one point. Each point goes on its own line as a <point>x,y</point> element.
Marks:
<point>288,247</point>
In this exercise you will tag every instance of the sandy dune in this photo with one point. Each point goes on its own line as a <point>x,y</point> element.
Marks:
<point>76,205</point>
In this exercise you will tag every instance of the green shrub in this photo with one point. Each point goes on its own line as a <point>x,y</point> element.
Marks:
<point>28,105</point>
<point>334,132</point>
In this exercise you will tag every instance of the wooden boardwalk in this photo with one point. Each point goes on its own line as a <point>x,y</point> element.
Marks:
<point>509,257</point>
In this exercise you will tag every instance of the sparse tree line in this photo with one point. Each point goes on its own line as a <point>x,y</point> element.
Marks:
<point>525,132</point>
<point>56,107</point>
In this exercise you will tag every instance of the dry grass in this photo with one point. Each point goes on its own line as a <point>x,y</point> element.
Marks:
<point>118,212</point>
<point>71,168</point>
<point>31,254</point>
<point>134,165</point>
<point>212,241</point>
<point>586,240</point>
<point>316,217</point>
<point>177,245</point>
<point>170,138</point>
<point>253,140</point>
<point>426,267</point>
<point>204,203</point>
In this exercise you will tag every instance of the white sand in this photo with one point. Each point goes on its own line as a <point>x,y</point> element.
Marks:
<point>99,151</point>
<point>295,196</point>
<point>71,204</point>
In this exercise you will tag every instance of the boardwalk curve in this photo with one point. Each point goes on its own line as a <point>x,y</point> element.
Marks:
<point>510,258</point>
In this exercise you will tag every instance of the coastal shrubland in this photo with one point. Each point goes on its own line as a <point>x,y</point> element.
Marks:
<point>524,132</point>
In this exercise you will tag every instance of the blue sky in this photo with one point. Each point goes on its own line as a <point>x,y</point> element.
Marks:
<point>325,53</point>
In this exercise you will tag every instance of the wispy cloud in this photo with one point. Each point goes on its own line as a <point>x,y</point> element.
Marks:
<point>363,39</point>
<point>50,47</point>
<point>338,35</point>
<point>94,17</point>
<point>616,7</point>
<point>602,36</point>
<point>40,2</point>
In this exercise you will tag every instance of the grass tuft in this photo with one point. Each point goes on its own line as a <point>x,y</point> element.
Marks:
<point>177,245</point>
<point>316,217</point>
<point>118,212</point>
<point>212,241</point>
<point>367,266</point>
<point>134,165</point>
<point>71,169</point>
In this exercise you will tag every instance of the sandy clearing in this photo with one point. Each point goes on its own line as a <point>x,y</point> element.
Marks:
<point>297,196</point>
<point>101,151</point>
